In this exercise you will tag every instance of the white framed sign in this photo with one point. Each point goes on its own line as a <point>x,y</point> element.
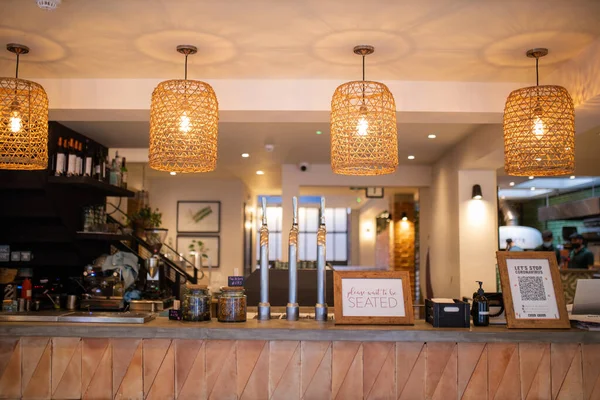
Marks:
<point>374,297</point>
<point>532,290</point>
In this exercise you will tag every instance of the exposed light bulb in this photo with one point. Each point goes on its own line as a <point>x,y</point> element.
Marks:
<point>184,123</point>
<point>248,225</point>
<point>15,122</point>
<point>538,127</point>
<point>405,218</point>
<point>362,128</point>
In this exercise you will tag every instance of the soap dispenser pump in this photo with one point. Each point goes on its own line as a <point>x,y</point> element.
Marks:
<point>481,308</point>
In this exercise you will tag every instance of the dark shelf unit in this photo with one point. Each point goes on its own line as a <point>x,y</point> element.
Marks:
<point>86,182</point>
<point>102,236</point>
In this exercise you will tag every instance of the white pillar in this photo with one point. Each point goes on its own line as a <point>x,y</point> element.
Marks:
<point>478,230</point>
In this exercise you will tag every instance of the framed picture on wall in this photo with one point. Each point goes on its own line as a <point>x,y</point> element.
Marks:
<point>532,290</point>
<point>198,216</point>
<point>209,245</point>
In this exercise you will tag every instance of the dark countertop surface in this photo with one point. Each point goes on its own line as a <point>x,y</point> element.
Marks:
<point>308,330</point>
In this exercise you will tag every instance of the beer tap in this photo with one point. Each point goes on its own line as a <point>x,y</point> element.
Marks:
<point>321,307</point>
<point>264,308</point>
<point>292,309</point>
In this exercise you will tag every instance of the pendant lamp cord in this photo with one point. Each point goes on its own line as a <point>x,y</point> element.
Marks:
<point>186,56</point>
<point>537,73</point>
<point>17,68</point>
<point>363,67</point>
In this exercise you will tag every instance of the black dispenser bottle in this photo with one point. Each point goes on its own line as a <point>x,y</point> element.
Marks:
<point>480,311</point>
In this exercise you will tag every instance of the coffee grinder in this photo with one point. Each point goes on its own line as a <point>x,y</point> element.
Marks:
<point>154,265</point>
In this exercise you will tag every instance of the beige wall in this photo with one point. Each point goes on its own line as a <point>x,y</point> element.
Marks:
<point>367,221</point>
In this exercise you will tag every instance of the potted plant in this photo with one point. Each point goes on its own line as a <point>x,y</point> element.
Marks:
<point>145,218</point>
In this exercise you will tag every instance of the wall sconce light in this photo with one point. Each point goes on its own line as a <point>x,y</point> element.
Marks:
<point>404,217</point>
<point>477,195</point>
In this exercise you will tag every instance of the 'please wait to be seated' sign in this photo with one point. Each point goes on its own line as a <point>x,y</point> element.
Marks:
<point>373,297</point>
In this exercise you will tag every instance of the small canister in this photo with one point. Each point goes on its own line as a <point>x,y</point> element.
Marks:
<point>232,305</point>
<point>195,305</point>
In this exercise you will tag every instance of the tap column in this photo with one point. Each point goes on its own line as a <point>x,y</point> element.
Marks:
<point>292,310</point>
<point>264,308</point>
<point>321,307</point>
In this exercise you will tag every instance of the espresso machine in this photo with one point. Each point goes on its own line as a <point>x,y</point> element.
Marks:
<point>103,289</point>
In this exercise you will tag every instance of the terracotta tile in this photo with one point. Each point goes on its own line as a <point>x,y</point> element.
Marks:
<point>96,369</point>
<point>10,368</point>
<point>190,369</point>
<point>472,371</point>
<point>316,370</point>
<point>534,360</point>
<point>127,369</point>
<point>36,367</point>
<point>503,371</point>
<point>252,369</point>
<point>284,370</point>
<point>441,370</point>
<point>221,369</point>
<point>66,368</point>
<point>567,379</point>
<point>163,383</point>
<point>591,371</point>
<point>410,370</point>
<point>347,372</point>
<point>379,370</point>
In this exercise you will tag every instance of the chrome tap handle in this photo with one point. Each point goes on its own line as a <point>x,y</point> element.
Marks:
<point>264,211</point>
<point>295,210</point>
<point>322,210</point>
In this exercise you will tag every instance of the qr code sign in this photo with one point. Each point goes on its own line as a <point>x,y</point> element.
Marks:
<point>532,288</point>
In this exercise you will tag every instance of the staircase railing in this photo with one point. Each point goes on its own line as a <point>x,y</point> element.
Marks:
<point>179,268</point>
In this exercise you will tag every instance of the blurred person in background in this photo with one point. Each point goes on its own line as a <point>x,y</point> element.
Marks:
<point>580,257</point>
<point>548,245</point>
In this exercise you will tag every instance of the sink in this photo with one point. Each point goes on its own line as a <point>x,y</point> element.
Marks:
<point>107,317</point>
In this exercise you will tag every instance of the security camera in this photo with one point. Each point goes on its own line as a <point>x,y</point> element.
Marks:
<point>303,166</point>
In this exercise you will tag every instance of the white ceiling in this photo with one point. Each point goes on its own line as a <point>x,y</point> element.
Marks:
<point>459,40</point>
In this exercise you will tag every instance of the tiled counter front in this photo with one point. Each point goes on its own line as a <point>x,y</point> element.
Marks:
<point>102,368</point>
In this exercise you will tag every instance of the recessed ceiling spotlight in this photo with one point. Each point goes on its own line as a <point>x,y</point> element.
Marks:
<point>245,155</point>
<point>411,157</point>
<point>503,198</point>
<point>531,177</point>
<point>318,132</point>
<point>48,5</point>
<point>532,188</point>
<point>432,136</point>
<point>511,184</point>
<point>572,177</point>
<point>260,172</point>
<point>173,173</point>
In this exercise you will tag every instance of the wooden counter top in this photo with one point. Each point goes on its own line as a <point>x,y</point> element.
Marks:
<point>301,330</point>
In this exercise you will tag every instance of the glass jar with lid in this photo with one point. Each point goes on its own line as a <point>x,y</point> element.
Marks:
<point>196,302</point>
<point>232,304</point>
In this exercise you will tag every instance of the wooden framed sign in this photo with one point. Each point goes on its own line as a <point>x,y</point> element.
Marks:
<point>372,297</point>
<point>532,290</point>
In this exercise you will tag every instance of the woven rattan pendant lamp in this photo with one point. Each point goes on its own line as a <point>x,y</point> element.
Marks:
<point>184,118</point>
<point>539,129</point>
<point>24,121</point>
<point>364,136</point>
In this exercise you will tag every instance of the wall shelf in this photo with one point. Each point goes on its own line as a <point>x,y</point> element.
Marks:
<point>86,182</point>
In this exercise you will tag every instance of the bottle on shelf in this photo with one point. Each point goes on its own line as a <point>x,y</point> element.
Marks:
<point>88,163</point>
<point>59,159</point>
<point>81,158</point>
<point>98,166</point>
<point>115,174</point>
<point>118,160</point>
<point>107,166</point>
<point>72,159</point>
<point>26,289</point>
<point>123,174</point>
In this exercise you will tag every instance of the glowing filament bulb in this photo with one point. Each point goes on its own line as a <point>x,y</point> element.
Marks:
<point>184,123</point>
<point>538,127</point>
<point>362,128</point>
<point>15,122</point>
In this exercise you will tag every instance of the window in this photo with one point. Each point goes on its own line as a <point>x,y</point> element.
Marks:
<point>336,222</point>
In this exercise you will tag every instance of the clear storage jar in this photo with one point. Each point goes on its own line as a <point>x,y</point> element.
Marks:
<point>195,303</point>
<point>232,304</point>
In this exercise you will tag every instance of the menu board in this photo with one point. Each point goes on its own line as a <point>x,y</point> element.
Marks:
<point>373,297</point>
<point>532,290</point>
